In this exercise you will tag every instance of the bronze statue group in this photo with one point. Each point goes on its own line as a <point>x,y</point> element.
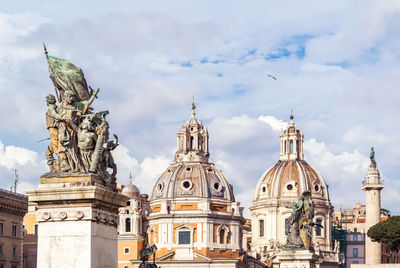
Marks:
<point>79,138</point>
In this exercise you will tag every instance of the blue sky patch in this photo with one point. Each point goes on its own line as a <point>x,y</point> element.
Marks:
<point>187,64</point>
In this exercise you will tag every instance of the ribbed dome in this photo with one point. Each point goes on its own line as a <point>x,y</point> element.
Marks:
<point>192,179</point>
<point>290,178</point>
<point>131,190</point>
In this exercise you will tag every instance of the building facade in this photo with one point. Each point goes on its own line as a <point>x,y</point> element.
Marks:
<point>13,207</point>
<point>276,191</point>
<point>353,221</point>
<point>30,237</point>
<point>132,226</point>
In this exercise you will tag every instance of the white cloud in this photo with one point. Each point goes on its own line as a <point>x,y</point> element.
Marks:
<point>23,186</point>
<point>276,124</point>
<point>144,173</point>
<point>12,156</point>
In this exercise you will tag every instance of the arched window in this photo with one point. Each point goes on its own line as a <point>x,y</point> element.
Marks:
<point>261,227</point>
<point>191,142</point>
<point>291,147</point>
<point>127,225</point>
<point>284,148</point>
<point>222,236</point>
<point>318,227</point>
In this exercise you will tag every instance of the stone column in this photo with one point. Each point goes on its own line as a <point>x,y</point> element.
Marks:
<point>78,219</point>
<point>372,187</point>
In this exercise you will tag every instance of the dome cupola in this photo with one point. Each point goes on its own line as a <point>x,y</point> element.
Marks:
<point>292,142</point>
<point>192,141</point>
<point>131,190</point>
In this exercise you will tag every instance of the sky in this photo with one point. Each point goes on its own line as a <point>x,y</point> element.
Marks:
<point>336,63</point>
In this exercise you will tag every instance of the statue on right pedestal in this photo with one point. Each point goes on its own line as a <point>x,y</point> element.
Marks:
<point>299,234</point>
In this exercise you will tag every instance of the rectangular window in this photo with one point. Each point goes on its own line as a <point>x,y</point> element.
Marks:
<point>355,252</point>
<point>184,237</point>
<point>355,237</point>
<point>261,223</point>
<point>14,230</point>
<point>1,227</point>
<point>126,266</point>
<point>1,250</point>
<point>14,251</point>
<point>126,250</point>
<point>355,262</point>
<point>36,230</point>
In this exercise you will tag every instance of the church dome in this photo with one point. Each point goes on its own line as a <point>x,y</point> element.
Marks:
<point>192,179</point>
<point>191,174</point>
<point>131,190</point>
<point>291,175</point>
<point>280,186</point>
<point>290,179</point>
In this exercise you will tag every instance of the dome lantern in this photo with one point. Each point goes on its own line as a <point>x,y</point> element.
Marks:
<point>291,142</point>
<point>192,141</point>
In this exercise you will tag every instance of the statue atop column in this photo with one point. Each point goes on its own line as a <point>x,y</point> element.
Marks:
<point>372,157</point>
<point>299,234</point>
<point>79,137</point>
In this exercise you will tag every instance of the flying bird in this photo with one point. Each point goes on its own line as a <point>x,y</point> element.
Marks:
<point>273,77</point>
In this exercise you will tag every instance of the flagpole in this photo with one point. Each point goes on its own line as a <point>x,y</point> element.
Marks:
<point>47,58</point>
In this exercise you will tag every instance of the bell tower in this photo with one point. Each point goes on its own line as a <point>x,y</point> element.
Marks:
<point>192,141</point>
<point>292,142</point>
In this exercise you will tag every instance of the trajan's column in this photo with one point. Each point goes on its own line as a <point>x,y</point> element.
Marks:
<point>372,185</point>
<point>77,199</point>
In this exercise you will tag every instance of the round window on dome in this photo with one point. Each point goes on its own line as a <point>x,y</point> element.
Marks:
<point>160,186</point>
<point>316,188</point>
<point>188,168</point>
<point>209,170</point>
<point>264,189</point>
<point>186,185</point>
<point>289,187</point>
<point>217,186</point>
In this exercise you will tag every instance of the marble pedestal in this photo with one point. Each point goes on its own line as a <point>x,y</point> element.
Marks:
<point>78,217</point>
<point>296,259</point>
